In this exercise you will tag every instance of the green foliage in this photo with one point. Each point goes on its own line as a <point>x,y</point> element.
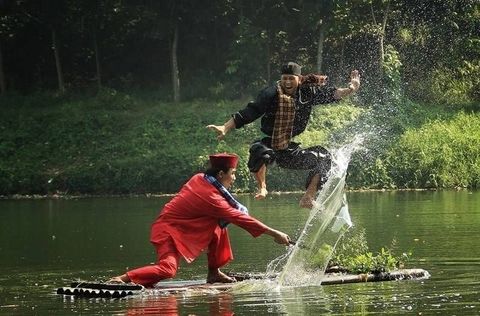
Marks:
<point>353,244</point>
<point>111,143</point>
<point>373,175</point>
<point>328,120</point>
<point>384,261</point>
<point>391,71</point>
<point>458,85</point>
<point>244,70</point>
<point>240,46</point>
<point>389,161</point>
<point>352,255</point>
<point>322,255</point>
<point>440,154</point>
<point>115,142</point>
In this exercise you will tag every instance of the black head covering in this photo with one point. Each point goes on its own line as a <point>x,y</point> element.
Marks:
<point>291,68</point>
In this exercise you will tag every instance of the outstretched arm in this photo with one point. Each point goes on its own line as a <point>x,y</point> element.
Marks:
<point>278,236</point>
<point>250,113</point>
<point>247,222</point>
<point>222,130</point>
<point>352,87</point>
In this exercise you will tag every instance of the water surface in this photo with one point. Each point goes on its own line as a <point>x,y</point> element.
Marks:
<point>45,244</point>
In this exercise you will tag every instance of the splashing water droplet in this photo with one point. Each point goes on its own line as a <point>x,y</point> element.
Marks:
<point>305,262</point>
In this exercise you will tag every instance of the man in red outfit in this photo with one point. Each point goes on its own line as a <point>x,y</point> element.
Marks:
<point>195,220</point>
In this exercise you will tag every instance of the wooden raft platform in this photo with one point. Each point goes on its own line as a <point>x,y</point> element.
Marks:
<point>109,290</point>
<point>106,290</point>
<point>402,274</point>
<point>328,279</point>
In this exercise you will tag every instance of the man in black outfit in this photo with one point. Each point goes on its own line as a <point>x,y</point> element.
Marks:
<point>285,109</point>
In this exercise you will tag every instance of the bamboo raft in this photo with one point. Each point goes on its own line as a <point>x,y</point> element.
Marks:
<point>105,290</point>
<point>110,290</point>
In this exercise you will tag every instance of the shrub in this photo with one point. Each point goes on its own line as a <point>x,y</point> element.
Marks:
<point>352,255</point>
<point>440,154</point>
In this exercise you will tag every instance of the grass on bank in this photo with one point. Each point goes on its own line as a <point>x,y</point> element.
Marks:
<point>115,142</point>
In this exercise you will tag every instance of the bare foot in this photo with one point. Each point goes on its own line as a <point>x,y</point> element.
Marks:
<point>120,279</point>
<point>217,276</point>
<point>116,280</point>
<point>306,201</point>
<point>261,194</point>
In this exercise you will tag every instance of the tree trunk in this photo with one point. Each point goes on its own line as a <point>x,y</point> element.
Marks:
<point>3,85</point>
<point>269,66</point>
<point>97,59</point>
<point>239,6</point>
<point>381,49</point>
<point>61,83</point>
<point>379,62</point>
<point>341,64</point>
<point>382,34</point>
<point>175,71</point>
<point>321,40</point>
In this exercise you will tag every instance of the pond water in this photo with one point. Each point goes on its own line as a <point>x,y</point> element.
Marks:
<point>45,244</point>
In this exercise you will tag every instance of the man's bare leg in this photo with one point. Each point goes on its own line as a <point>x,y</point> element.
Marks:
<point>260,175</point>
<point>217,276</point>
<point>307,199</point>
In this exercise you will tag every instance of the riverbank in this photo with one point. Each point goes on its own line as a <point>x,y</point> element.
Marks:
<point>114,143</point>
<point>160,195</point>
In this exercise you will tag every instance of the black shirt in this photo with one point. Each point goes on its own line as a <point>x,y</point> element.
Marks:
<point>266,105</point>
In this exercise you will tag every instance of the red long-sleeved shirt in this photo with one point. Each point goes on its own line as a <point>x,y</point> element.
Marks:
<point>191,218</point>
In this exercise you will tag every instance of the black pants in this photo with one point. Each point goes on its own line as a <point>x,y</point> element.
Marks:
<point>316,159</point>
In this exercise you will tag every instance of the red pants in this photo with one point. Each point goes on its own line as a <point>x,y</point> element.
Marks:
<point>168,259</point>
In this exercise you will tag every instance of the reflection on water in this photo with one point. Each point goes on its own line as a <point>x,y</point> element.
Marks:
<point>45,244</point>
<point>169,304</point>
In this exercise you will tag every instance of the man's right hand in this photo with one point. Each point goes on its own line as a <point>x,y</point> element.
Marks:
<point>280,237</point>
<point>219,129</point>
<point>222,130</point>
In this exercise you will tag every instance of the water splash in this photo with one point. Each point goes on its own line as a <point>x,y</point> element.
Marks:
<point>304,264</point>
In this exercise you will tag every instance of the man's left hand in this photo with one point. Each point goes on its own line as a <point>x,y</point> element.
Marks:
<point>354,81</point>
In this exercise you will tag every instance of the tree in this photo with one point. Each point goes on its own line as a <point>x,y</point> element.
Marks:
<point>58,62</point>
<point>317,18</point>
<point>3,85</point>
<point>174,64</point>
<point>54,16</point>
<point>10,23</point>
<point>94,13</point>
